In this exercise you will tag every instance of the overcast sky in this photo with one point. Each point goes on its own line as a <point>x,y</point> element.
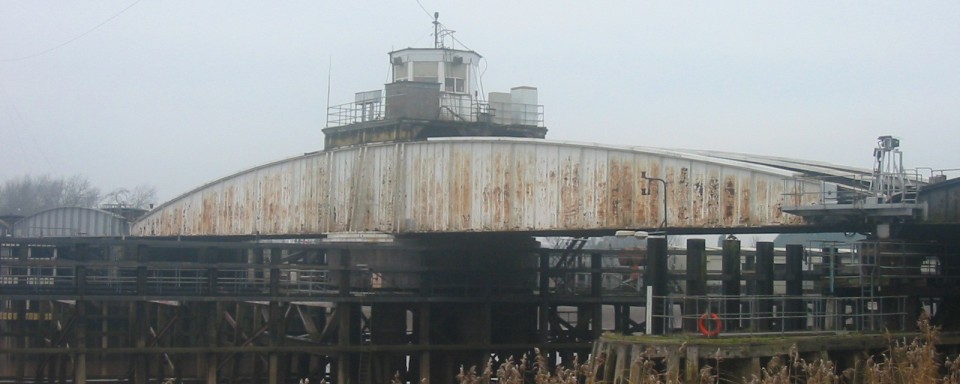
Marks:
<point>179,93</point>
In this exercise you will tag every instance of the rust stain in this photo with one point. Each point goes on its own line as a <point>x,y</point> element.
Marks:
<point>746,200</point>
<point>502,177</point>
<point>761,200</point>
<point>570,197</point>
<point>477,186</point>
<point>613,199</point>
<point>208,210</point>
<point>598,175</point>
<point>713,198</point>
<point>622,186</point>
<point>461,193</point>
<point>680,194</point>
<point>729,199</point>
<point>699,197</point>
<point>523,188</point>
<point>776,202</point>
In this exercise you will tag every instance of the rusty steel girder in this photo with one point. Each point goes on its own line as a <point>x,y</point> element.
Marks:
<point>482,185</point>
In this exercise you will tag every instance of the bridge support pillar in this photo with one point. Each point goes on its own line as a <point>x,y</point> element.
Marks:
<point>388,327</point>
<point>139,330</point>
<point>423,329</point>
<point>596,286</point>
<point>210,333</point>
<point>543,322</point>
<point>277,320</point>
<point>80,358</point>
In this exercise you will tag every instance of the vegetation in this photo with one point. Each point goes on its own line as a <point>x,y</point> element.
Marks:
<point>26,195</point>
<point>525,371</point>
<point>915,361</point>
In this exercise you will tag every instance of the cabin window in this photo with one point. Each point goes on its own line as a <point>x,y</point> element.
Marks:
<point>453,84</point>
<point>426,71</point>
<point>400,72</point>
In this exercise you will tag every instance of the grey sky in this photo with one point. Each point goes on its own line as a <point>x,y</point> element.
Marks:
<point>179,93</point>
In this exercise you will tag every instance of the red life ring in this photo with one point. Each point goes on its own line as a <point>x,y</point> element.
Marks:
<point>717,324</point>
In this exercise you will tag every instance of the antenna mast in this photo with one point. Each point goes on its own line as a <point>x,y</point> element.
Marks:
<point>437,42</point>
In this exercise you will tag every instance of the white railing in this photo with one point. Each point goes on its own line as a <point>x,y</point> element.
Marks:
<point>778,314</point>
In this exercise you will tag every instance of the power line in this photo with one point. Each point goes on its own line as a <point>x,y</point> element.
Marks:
<point>29,134</point>
<point>78,37</point>
<point>458,41</point>
<point>424,10</point>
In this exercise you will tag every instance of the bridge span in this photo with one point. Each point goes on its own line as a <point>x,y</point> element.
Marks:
<point>486,185</point>
<point>230,281</point>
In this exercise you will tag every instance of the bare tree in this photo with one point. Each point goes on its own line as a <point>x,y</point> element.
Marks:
<point>141,196</point>
<point>27,194</point>
<point>77,192</point>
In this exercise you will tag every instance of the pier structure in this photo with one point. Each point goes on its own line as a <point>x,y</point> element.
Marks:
<point>733,311</point>
<point>248,310</point>
<point>414,244</point>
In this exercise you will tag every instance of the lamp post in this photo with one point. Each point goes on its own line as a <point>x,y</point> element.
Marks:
<point>662,228</point>
<point>656,268</point>
<point>646,192</point>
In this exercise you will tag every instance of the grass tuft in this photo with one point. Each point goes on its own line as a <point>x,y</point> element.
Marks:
<point>903,362</point>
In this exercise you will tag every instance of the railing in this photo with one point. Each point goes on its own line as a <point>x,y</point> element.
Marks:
<point>124,278</point>
<point>853,189</point>
<point>832,190</point>
<point>453,107</point>
<point>513,113</point>
<point>897,186</point>
<point>147,279</point>
<point>352,113</point>
<point>777,314</point>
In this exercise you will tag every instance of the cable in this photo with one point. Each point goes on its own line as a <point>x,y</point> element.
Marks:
<point>424,10</point>
<point>457,40</point>
<point>30,135</point>
<point>483,61</point>
<point>78,37</point>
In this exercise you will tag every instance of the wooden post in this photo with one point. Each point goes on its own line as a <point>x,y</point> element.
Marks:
<point>345,335</point>
<point>139,321</point>
<point>655,276</point>
<point>543,324</point>
<point>731,283</point>
<point>211,339</point>
<point>80,357</point>
<point>80,287</point>
<point>794,280</point>
<point>273,358</point>
<point>764,285</point>
<point>596,286</point>
<point>691,368</point>
<point>20,311</point>
<point>696,283</point>
<point>423,328</point>
<point>140,340</point>
<point>345,320</point>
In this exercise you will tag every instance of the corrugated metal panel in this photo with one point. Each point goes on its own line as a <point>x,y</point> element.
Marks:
<point>71,222</point>
<point>943,201</point>
<point>471,185</point>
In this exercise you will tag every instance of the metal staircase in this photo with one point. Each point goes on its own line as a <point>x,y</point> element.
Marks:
<point>565,281</point>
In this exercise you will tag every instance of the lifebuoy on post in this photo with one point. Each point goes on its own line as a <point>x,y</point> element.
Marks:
<point>717,324</point>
